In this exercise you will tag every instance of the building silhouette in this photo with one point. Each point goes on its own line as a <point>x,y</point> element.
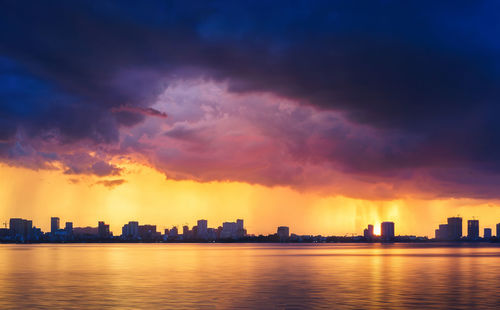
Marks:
<point>103,230</point>
<point>233,230</point>
<point>173,233</point>
<point>69,228</point>
<point>283,233</point>
<point>54,225</point>
<point>454,228</point>
<point>443,232</point>
<point>368,232</point>
<point>20,229</point>
<point>202,231</point>
<point>148,232</point>
<point>387,231</point>
<point>130,231</point>
<point>487,234</point>
<point>498,231</point>
<point>473,229</point>
<point>452,231</point>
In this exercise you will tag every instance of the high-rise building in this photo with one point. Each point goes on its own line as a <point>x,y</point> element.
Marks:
<point>202,232</point>
<point>130,230</point>
<point>212,234</point>
<point>443,233</point>
<point>498,231</point>
<point>239,224</point>
<point>473,229</point>
<point>69,227</point>
<point>387,231</point>
<point>103,230</point>
<point>173,233</point>
<point>186,234</point>
<point>232,230</point>
<point>368,232</point>
<point>454,228</point>
<point>228,230</point>
<point>487,234</point>
<point>283,233</point>
<point>20,229</point>
<point>148,232</point>
<point>54,225</point>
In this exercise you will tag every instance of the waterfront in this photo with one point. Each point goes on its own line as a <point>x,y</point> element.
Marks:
<point>263,276</point>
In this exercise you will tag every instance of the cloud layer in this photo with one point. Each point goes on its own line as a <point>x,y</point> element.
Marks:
<point>398,97</point>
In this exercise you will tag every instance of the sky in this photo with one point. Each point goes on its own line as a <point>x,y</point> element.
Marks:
<point>325,116</point>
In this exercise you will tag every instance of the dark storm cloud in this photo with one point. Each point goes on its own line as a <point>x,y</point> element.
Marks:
<point>427,72</point>
<point>111,183</point>
<point>83,163</point>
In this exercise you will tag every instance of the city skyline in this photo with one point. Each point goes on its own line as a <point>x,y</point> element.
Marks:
<point>303,154</point>
<point>323,117</point>
<point>452,231</point>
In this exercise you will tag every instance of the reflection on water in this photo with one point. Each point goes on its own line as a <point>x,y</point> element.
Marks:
<point>258,276</point>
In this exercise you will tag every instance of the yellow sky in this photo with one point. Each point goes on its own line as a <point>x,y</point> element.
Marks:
<point>149,197</point>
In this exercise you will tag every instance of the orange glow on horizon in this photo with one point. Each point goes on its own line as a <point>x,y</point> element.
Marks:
<point>146,195</point>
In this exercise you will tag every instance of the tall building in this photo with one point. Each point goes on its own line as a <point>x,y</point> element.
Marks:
<point>454,228</point>
<point>54,225</point>
<point>443,233</point>
<point>202,232</point>
<point>473,229</point>
<point>148,232</point>
<point>498,231</point>
<point>103,230</point>
<point>186,233</point>
<point>228,230</point>
<point>240,229</point>
<point>173,233</point>
<point>283,233</point>
<point>232,230</point>
<point>487,234</point>
<point>239,224</point>
<point>69,227</point>
<point>368,232</point>
<point>387,230</point>
<point>20,229</point>
<point>130,230</point>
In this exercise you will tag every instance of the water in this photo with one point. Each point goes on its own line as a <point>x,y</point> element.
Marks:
<point>256,276</point>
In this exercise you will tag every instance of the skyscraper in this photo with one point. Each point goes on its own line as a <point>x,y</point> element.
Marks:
<point>228,230</point>
<point>498,231</point>
<point>454,228</point>
<point>443,233</point>
<point>69,230</point>
<point>173,233</point>
<point>20,229</point>
<point>240,230</point>
<point>473,229</point>
<point>283,233</point>
<point>387,229</point>
<point>69,227</point>
<point>487,234</point>
<point>368,232</point>
<point>202,232</point>
<point>186,234</point>
<point>103,230</point>
<point>54,225</point>
<point>130,230</point>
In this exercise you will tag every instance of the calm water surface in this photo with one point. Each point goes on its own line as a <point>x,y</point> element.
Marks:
<point>256,276</point>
